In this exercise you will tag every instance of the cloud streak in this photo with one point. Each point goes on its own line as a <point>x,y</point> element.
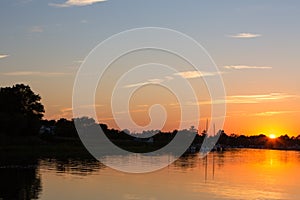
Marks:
<point>70,3</point>
<point>242,99</point>
<point>240,67</point>
<point>3,56</point>
<point>248,99</point>
<point>194,74</point>
<point>67,112</point>
<point>272,113</point>
<point>150,81</point>
<point>185,75</point>
<point>34,73</point>
<point>245,35</point>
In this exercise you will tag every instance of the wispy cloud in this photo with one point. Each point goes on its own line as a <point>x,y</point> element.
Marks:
<point>131,111</point>
<point>258,98</point>
<point>36,29</point>
<point>143,105</point>
<point>271,113</point>
<point>92,106</point>
<point>67,112</point>
<point>217,101</point>
<point>239,67</point>
<point>194,74</point>
<point>70,3</point>
<point>245,35</point>
<point>259,114</point>
<point>3,56</point>
<point>150,81</point>
<point>64,113</point>
<point>185,74</point>
<point>247,99</point>
<point>67,109</point>
<point>34,73</point>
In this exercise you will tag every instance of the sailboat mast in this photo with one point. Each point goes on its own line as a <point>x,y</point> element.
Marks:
<point>214,129</point>
<point>206,128</point>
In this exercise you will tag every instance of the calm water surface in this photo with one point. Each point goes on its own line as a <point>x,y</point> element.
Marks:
<point>235,174</point>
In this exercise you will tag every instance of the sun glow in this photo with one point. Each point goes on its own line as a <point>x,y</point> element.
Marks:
<point>272,136</point>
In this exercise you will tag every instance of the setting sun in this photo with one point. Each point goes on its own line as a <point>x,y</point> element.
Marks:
<point>272,136</point>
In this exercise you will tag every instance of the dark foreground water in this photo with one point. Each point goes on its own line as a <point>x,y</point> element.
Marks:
<point>235,174</point>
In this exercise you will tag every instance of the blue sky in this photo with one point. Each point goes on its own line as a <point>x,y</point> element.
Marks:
<point>255,42</point>
<point>37,31</point>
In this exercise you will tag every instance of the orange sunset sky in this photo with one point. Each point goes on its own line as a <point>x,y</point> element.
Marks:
<point>255,45</point>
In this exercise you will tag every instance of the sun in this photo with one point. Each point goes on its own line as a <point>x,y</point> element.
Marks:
<point>272,136</point>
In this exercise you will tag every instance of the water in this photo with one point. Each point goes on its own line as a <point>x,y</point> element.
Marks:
<point>235,174</point>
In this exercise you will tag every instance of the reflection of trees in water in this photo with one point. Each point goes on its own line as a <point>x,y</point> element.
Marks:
<point>219,158</point>
<point>187,161</point>
<point>214,158</point>
<point>72,166</point>
<point>210,161</point>
<point>19,180</point>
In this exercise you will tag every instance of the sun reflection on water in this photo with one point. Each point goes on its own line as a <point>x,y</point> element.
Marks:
<point>233,174</point>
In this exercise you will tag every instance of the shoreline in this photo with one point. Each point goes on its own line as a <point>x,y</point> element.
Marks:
<point>74,150</point>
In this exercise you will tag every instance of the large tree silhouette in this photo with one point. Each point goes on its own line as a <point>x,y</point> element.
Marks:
<point>20,110</point>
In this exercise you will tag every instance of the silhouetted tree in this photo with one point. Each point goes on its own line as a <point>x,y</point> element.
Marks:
<point>65,128</point>
<point>20,110</point>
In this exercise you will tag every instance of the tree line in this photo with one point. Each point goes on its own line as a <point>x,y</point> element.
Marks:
<point>21,114</point>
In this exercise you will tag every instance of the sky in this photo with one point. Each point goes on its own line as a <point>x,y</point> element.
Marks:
<point>254,44</point>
